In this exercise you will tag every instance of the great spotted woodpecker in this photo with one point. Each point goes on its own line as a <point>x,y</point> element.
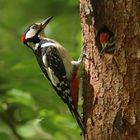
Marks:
<point>105,40</point>
<point>56,64</point>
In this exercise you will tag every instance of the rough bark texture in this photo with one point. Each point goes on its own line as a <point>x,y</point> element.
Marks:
<point>112,82</point>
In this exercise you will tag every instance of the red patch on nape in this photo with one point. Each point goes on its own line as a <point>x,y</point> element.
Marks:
<point>23,39</point>
<point>103,37</point>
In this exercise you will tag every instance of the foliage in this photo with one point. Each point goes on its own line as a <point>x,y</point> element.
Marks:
<point>29,108</point>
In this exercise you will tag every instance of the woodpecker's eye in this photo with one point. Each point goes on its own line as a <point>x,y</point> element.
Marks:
<point>35,26</point>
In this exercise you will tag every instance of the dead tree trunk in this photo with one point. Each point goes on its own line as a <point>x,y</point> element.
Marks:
<point>112,82</point>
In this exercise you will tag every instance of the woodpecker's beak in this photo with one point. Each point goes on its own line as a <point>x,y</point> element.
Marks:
<point>45,22</point>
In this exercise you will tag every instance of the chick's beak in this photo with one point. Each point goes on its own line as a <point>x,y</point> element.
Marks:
<point>45,22</point>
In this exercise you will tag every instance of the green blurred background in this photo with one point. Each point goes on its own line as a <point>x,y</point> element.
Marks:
<point>29,107</point>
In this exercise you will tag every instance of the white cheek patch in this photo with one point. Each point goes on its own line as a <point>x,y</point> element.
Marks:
<point>31,33</point>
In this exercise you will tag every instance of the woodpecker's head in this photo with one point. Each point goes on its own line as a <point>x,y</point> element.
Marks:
<point>103,35</point>
<point>105,40</point>
<point>33,32</point>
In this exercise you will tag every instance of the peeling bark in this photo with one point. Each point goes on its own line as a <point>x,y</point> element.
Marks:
<point>111,87</point>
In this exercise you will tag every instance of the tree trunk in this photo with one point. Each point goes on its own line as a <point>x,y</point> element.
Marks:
<point>111,85</point>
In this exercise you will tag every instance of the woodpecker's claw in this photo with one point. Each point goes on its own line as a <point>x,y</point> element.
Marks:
<point>77,63</point>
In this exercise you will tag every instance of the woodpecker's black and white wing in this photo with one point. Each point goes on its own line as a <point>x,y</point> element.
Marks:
<point>55,70</point>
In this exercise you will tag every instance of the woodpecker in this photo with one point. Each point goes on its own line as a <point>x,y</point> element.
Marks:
<point>105,40</point>
<point>56,64</point>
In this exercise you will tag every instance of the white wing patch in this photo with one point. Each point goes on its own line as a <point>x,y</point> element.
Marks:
<point>52,77</point>
<point>51,74</point>
<point>31,33</point>
<point>44,60</point>
<point>47,44</point>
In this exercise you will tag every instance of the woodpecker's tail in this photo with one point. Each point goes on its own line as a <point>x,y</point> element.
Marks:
<point>77,116</point>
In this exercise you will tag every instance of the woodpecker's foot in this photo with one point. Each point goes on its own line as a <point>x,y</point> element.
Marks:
<point>82,56</point>
<point>80,60</point>
<point>86,57</point>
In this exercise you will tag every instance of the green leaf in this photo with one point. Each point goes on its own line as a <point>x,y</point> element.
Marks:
<point>4,136</point>
<point>21,97</point>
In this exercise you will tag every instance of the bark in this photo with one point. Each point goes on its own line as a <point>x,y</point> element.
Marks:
<point>111,87</point>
